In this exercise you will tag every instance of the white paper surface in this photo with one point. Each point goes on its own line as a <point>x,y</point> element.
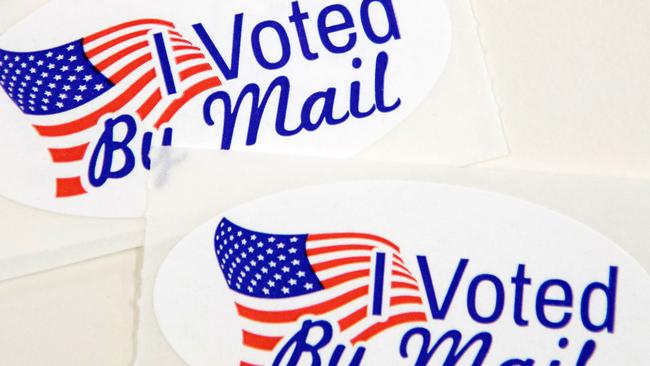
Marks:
<point>88,303</point>
<point>184,199</point>
<point>33,240</point>
<point>572,79</point>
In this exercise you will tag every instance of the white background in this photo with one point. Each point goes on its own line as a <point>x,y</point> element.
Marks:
<point>572,78</point>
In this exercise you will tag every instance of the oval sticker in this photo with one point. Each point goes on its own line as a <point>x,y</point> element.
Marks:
<point>83,105</point>
<point>399,273</point>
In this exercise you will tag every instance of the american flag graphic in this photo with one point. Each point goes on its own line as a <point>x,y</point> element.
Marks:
<point>354,280</point>
<point>142,67</point>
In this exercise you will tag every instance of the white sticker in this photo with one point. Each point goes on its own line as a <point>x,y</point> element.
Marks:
<point>86,93</point>
<point>398,273</point>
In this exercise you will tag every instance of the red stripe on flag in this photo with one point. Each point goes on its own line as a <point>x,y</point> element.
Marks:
<point>398,284</point>
<point>339,262</point>
<point>120,55</point>
<point>352,319</point>
<point>402,274</point>
<point>67,187</point>
<point>355,236</point>
<point>400,300</point>
<point>190,56</point>
<point>68,154</point>
<point>401,266</point>
<point>119,27</point>
<point>149,104</point>
<point>189,93</point>
<point>287,316</point>
<point>345,277</point>
<point>128,69</point>
<point>103,47</point>
<point>405,275</point>
<point>243,363</point>
<point>93,118</point>
<point>181,40</point>
<point>190,71</point>
<point>394,320</point>
<point>338,248</point>
<point>260,342</point>
<point>185,47</point>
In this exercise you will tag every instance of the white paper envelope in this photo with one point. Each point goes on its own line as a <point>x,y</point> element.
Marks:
<point>250,258</point>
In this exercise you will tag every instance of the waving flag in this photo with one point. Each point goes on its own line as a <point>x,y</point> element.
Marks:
<point>358,281</point>
<point>143,67</point>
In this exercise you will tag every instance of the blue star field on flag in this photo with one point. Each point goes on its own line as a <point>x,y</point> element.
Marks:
<point>264,265</point>
<point>51,81</point>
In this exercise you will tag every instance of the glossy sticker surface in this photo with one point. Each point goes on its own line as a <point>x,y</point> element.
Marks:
<point>86,93</point>
<point>400,273</point>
